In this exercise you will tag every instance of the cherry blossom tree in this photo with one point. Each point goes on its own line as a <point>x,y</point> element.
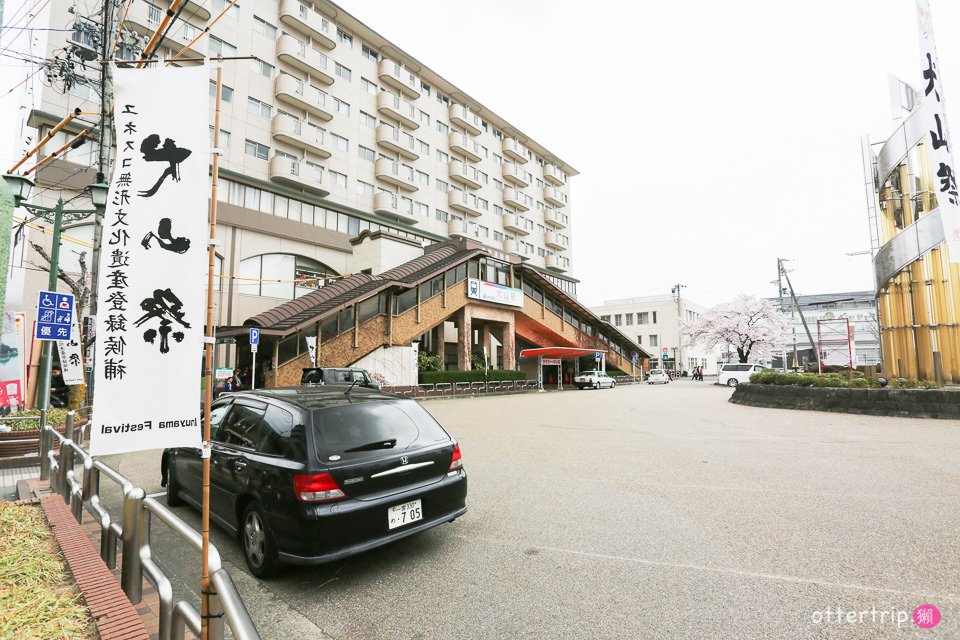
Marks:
<point>749,325</point>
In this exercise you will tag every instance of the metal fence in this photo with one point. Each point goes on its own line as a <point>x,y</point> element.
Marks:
<point>451,389</point>
<point>59,457</point>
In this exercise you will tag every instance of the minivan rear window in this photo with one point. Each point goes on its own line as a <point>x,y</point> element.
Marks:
<point>350,426</point>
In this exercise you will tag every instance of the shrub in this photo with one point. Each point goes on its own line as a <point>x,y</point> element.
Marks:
<point>477,362</point>
<point>493,375</point>
<point>858,383</point>
<point>55,418</point>
<point>428,362</point>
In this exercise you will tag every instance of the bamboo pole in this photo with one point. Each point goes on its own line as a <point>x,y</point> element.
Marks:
<point>70,143</point>
<point>46,138</point>
<point>208,391</point>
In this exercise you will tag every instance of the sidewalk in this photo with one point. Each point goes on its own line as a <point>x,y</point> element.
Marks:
<point>11,475</point>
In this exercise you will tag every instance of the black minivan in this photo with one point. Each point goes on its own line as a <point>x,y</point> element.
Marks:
<point>308,475</point>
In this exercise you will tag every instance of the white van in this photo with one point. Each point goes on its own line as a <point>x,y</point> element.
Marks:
<point>733,374</point>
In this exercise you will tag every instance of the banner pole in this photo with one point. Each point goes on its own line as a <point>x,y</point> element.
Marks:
<point>208,390</point>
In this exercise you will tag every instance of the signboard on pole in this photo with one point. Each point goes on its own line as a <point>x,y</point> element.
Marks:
<point>54,315</point>
<point>312,348</point>
<point>254,340</point>
<point>150,325</point>
<point>71,362</point>
<point>552,362</point>
<point>941,158</point>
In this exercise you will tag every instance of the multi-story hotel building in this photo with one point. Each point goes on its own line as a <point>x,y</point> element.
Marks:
<point>343,158</point>
<point>331,130</point>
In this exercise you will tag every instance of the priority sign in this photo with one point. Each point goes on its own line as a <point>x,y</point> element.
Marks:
<point>54,316</point>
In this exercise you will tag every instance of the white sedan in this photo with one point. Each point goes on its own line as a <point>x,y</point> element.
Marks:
<point>594,380</point>
<point>658,375</point>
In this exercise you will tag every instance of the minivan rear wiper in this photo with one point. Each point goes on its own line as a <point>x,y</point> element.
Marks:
<point>373,446</point>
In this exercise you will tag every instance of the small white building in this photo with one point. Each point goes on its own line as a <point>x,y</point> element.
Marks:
<point>655,323</point>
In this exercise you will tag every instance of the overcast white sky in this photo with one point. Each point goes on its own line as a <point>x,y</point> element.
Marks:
<point>711,137</point>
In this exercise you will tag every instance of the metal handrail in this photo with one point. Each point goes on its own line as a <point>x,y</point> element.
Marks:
<point>137,560</point>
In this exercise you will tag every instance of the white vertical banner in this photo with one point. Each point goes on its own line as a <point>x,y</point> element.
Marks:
<point>153,263</point>
<point>938,144</point>
<point>312,348</point>
<point>71,362</point>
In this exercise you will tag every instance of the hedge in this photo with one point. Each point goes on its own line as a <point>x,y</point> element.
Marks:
<point>493,375</point>
<point>855,380</point>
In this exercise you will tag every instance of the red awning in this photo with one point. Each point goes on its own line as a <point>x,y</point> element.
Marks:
<point>559,352</point>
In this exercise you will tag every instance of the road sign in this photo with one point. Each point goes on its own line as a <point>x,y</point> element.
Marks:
<point>254,337</point>
<point>666,353</point>
<point>54,315</point>
<point>253,348</point>
<point>598,356</point>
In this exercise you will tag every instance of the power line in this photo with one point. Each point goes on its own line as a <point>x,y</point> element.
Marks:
<point>32,18</point>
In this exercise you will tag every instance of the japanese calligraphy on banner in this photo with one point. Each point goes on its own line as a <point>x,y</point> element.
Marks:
<point>71,364</point>
<point>941,158</point>
<point>153,263</point>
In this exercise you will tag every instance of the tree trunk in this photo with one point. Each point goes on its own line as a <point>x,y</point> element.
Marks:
<point>744,355</point>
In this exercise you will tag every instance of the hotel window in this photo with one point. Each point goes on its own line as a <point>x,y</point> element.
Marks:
<point>639,339</point>
<point>617,319</point>
<point>605,318</point>
<point>442,99</point>
<point>342,107</point>
<point>368,86</point>
<point>498,210</point>
<point>344,37</point>
<point>259,66</point>
<point>366,154</point>
<point>443,187</point>
<point>263,27</point>
<point>256,107</point>
<point>218,46</point>
<point>364,189</point>
<point>442,216</point>
<point>220,5</point>
<point>224,138</point>
<point>153,14</point>
<point>339,179</point>
<point>497,184</point>
<point>423,210</point>
<point>424,118</point>
<point>226,93</point>
<point>654,317</point>
<point>425,87</point>
<point>343,72</point>
<point>423,178</point>
<point>443,156</point>
<point>424,147</point>
<point>654,341</point>
<point>339,142</point>
<point>368,120</point>
<point>643,317</point>
<point>256,150</point>
<point>442,128</point>
<point>629,319</point>
<point>369,53</point>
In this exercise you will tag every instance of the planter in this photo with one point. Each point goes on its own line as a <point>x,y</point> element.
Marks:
<point>941,404</point>
<point>18,444</point>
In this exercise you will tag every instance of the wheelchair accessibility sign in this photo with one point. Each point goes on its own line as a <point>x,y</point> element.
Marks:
<point>54,315</point>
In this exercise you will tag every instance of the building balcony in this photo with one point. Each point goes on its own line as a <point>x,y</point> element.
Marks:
<point>515,223</point>
<point>290,130</point>
<point>554,175</point>
<point>392,139</point>
<point>514,198</point>
<point>463,117</point>
<point>301,95</point>
<point>298,175</point>
<point>304,57</point>
<point>397,108</point>
<point>470,149</point>
<point>399,78</point>
<point>554,197</point>
<point>515,175</point>
<point>459,228</point>
<point>305,20</point>
<point>395,173</point>
<point>390,205</point>
<point>510,245</point>
<point>464,203</point>
<point>516,151</point>
<point>465,174</point>
<point>555,219</point>
<point>554,263</point>
<point>555,241</point>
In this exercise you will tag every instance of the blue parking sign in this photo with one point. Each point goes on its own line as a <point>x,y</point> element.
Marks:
<point>254,336</point>
<point>54,316</point>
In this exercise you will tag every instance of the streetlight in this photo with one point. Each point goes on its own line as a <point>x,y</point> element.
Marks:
<point>20,187</point>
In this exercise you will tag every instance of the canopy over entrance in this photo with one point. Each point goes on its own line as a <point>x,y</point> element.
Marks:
<point>559,352</point>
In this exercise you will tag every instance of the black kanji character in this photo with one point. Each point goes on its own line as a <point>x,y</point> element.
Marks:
<point>930,75</point>
<point>119,237</point>
<point>166,307</point>
<point>164,237</point>
<point>119,258</point>
<point>114,369</point>
<point>169,153</point>
<point>114,345</point>
<point>129,128</point>
<point>118,280</point>
<point>948,182</point>
<point>128,108</point>
<point>116,323</point>
<point>937,138</point>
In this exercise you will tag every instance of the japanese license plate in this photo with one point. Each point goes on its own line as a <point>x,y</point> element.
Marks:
<point>405,513</point>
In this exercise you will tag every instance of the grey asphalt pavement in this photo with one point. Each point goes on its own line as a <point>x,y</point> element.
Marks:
<point>644,512</point>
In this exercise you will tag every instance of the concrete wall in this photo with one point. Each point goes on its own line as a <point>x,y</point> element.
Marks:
<point>907,403</point>
<point>397,365</point>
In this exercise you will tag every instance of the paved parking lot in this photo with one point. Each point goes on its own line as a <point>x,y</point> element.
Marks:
<point>646,512</point>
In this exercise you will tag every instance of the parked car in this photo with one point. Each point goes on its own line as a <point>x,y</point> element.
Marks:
<point>737,373</point>
<point>337,375</point>
<point>658,375</point>
<point>594,380</point>
<point>308,475</point>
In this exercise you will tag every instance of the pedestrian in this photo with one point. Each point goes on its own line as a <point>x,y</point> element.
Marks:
<point>235,380</point>
<point>246,378</point>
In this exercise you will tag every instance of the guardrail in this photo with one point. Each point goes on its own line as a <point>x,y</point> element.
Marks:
<point>458,389</point>
<point>61,453</point>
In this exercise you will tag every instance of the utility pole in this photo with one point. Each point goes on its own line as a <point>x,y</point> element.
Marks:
<point>792,328</point>
<point>103,156</point>
<point>678,356</point>
<point>803,320</point>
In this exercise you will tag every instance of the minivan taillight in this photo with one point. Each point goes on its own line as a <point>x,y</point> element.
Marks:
<point>320,487</point>
<point>457,461</point>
